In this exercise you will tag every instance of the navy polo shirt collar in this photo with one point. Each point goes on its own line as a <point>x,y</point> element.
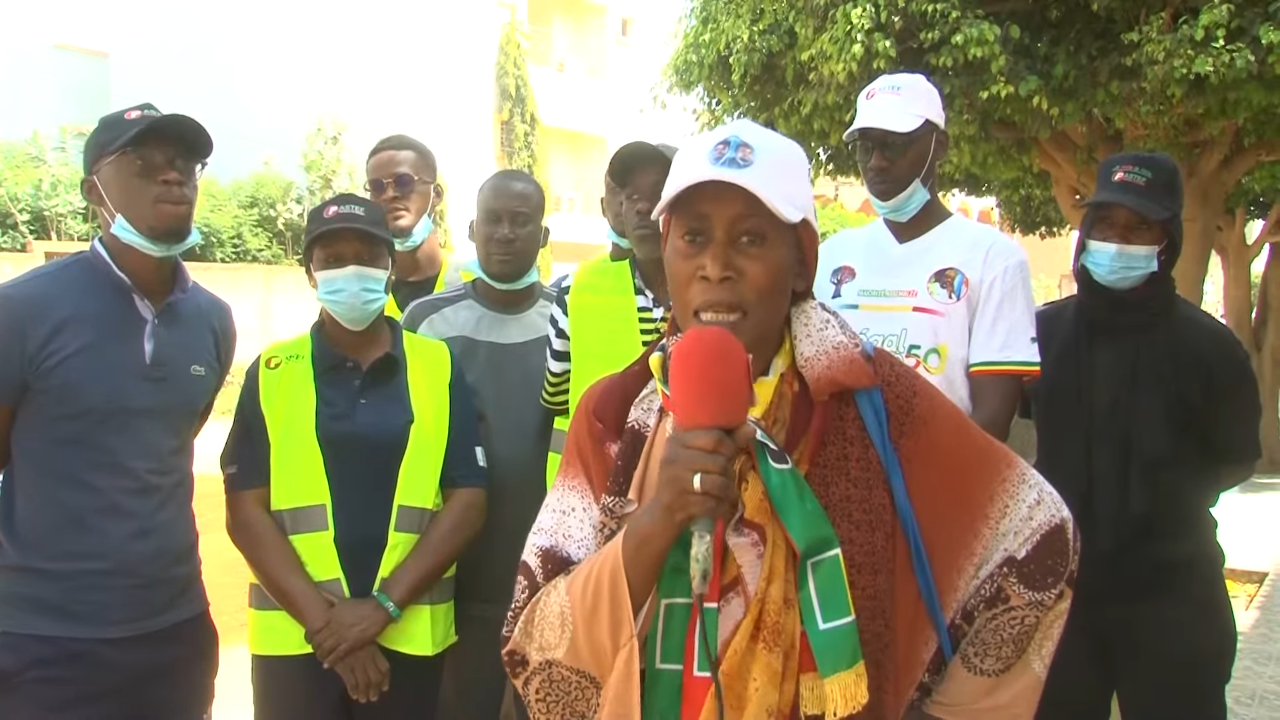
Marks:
<point>181,279</point>
<point>325,357</point>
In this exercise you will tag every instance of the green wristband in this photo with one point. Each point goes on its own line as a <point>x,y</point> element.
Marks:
<point>387,605</point>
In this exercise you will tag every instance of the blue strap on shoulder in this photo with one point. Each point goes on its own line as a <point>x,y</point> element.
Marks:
<point>871,405</point>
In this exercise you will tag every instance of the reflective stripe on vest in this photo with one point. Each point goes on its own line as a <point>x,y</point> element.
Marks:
<point>604,336</point>
<point>301,504</point>
<point>450,276</point>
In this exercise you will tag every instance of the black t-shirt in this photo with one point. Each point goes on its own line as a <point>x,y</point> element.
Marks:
<point>406,291</point>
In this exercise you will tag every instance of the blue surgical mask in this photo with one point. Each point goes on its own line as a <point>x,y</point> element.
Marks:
<point>907,203</point>
<point>528,279</point>
<point>618,240</point>
<point>416,236</point>
<point>1119,267</point>
<point>123,231</point>
<point>354,295</point>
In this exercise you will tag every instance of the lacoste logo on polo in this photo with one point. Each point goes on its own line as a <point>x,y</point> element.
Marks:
<point>197,370</point>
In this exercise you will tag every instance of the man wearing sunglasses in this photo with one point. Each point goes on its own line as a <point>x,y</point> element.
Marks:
<point>948,295</point>
<point>110,360</point>
<point>401,176</point>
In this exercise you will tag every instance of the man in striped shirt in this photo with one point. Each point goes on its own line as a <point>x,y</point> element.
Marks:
<point>633,185</point>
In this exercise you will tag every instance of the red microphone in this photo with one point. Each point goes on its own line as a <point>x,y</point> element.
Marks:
<point>709,384</point>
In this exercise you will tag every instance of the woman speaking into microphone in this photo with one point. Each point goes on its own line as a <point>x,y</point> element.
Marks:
<point>876,554</point>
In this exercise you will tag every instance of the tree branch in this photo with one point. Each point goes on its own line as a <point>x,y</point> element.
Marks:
<point>1213,153</point>
<point>1238,165</point>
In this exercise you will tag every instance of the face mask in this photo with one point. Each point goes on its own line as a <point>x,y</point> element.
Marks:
<point>1119,267</point>
<point>907,203</point>
<point>355,295</point>
<point>529,278</point>
<point>618,240</point>
<point>417,235</point>
<point>123,231</point>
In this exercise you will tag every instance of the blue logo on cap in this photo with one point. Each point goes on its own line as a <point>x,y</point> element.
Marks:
<point>734,153</point>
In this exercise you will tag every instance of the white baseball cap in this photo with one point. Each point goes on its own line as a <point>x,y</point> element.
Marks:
<point>766,164</point>
<point>898,103</point>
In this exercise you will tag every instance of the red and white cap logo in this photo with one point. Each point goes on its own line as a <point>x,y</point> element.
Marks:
<point>133,115</point>
<point>331,211</point>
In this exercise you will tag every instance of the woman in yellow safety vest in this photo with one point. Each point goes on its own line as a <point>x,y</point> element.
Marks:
<point>355,478</point>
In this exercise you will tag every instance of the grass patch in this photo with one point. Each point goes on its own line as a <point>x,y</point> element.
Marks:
<point>225,406</point>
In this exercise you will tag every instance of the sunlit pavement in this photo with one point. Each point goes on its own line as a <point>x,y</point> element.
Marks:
<point>1249,531</point>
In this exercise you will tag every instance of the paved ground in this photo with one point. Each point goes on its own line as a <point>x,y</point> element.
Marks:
<point>1249,531</point>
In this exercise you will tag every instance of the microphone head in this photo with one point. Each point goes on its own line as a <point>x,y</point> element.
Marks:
<point>709,379</point>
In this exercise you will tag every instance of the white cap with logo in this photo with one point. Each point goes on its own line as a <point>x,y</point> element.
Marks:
<point>897,103</point>
<point>765,163</point>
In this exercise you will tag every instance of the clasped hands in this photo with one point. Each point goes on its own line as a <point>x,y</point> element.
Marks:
<point>345,643</point>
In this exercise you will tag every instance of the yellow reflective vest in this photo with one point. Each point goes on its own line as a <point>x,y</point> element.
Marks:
<point>604,336</point>
<point>302,507</point>
<point>450,276</point>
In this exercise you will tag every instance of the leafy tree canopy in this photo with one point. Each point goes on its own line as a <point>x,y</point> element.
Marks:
<point>1036,92</point>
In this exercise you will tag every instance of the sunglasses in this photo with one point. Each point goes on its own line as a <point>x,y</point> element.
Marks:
<point>402,183</point>
<point>893,148</point>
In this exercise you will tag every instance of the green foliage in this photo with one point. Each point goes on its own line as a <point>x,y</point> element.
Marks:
<point>326,164</point>
<point>440,216</point>
<point>518,124</point>
<point>254,219</point>
<point>257,219</point>
<point>834,217</point>
<point>1029,86</point>
<point>40,191</point>
<point>517,109</point>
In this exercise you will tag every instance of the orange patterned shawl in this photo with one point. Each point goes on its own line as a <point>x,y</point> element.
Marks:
<point>1000,541</point>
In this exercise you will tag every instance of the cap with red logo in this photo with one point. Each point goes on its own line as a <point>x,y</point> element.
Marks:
<point>348,212</point>
<point>125,128</point>
<point>1149,184</point>
<point>898,103</point>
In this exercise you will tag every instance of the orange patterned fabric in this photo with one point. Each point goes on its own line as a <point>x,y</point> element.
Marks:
<point>1000,541</point>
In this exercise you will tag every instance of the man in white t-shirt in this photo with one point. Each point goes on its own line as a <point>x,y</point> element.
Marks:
<point>950,296</point>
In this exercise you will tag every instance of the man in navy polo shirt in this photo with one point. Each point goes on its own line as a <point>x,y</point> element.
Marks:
<point>110,360</point>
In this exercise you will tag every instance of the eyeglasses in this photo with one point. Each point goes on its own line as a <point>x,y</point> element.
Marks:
<point>403,183</point>
<point>151,162</point>
<point>893,147</point>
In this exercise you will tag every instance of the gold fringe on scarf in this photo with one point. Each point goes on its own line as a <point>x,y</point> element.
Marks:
<point>838,696</point>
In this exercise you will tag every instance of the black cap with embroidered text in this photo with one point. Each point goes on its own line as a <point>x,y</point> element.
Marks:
<point>125,128</point>
<point>348,212</point>
<point>636,155</point>
<point>1149,184</point>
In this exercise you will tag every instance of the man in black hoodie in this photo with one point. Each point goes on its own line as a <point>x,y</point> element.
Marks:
<point>1146,409</point>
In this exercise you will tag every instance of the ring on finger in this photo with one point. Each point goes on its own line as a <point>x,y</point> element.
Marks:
<point>697,482</point>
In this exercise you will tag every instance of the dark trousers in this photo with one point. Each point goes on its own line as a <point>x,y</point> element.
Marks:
<point>1167,655</point>
<point>297,687</point>
<point>167,674</point>
<point>475,681</point>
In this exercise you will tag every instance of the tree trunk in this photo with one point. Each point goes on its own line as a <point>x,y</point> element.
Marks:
<point>1267,365</point>
<point>1203,203</point>
<point>1237,254</point>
